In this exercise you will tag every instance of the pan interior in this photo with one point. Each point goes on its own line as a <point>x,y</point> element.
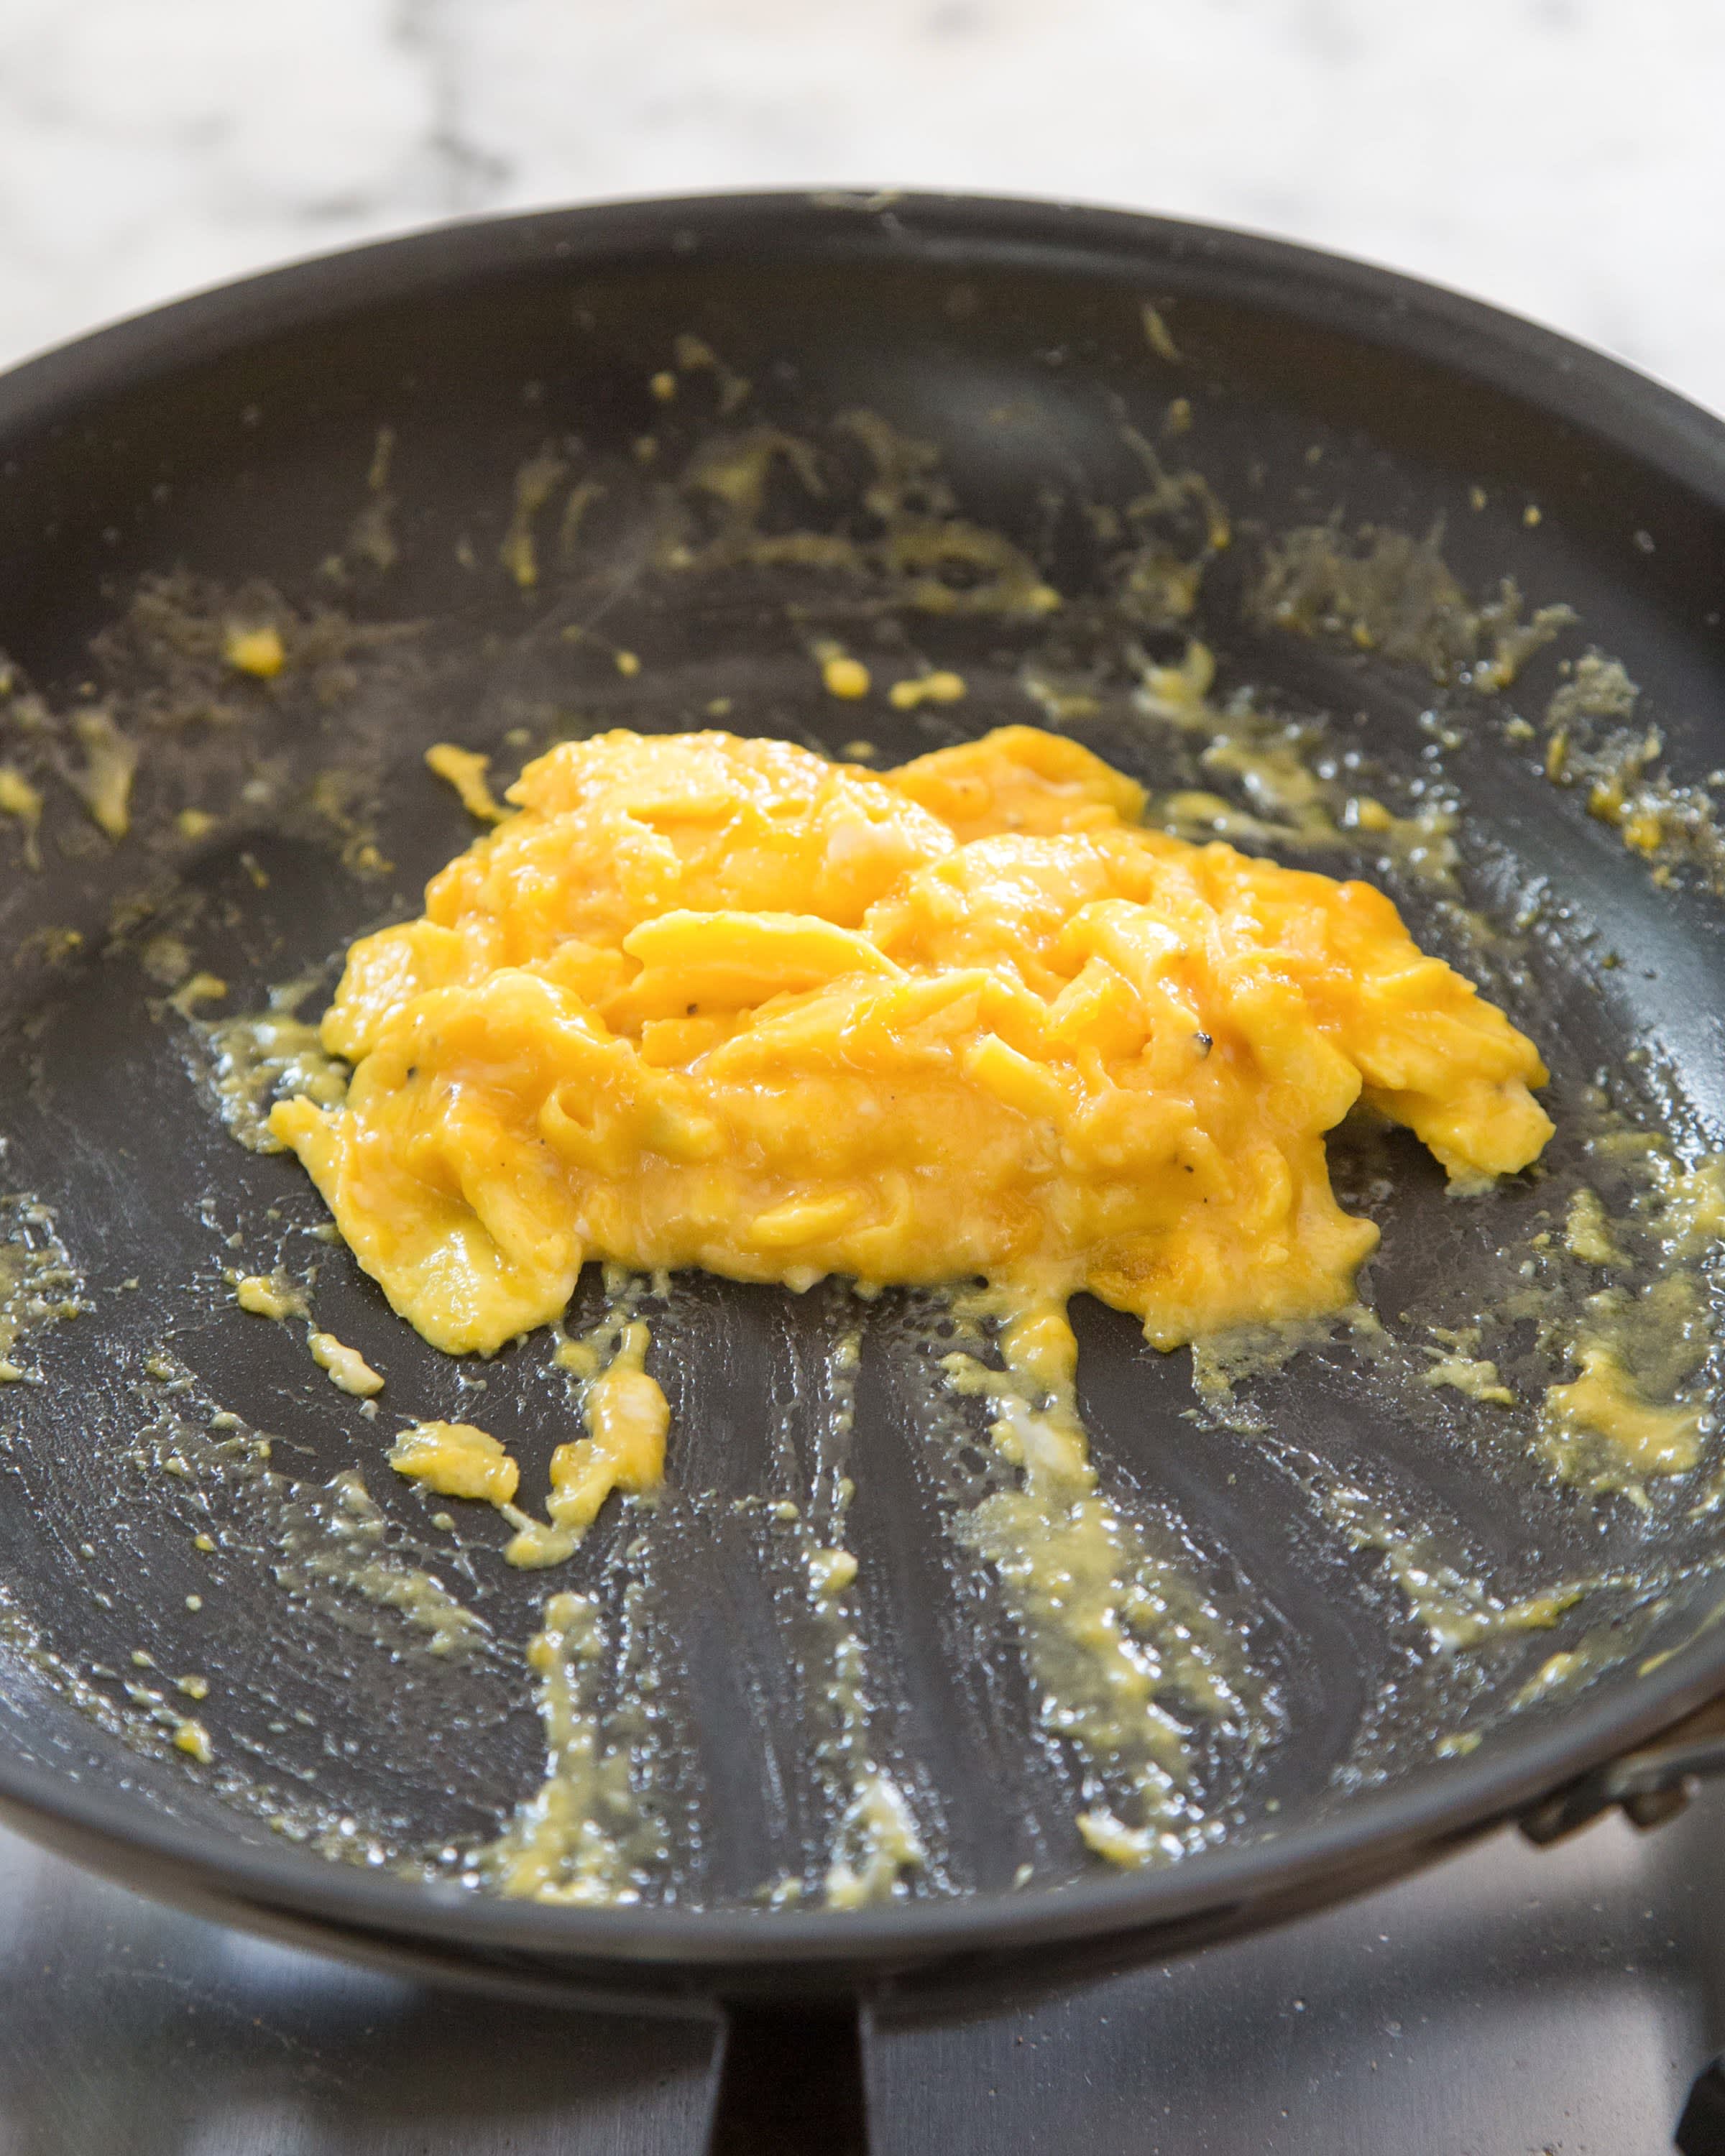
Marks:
<point>555,500</point>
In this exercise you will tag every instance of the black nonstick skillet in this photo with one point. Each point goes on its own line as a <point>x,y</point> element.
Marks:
<point>507,481</point>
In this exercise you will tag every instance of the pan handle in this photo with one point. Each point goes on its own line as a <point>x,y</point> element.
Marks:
<point>1652,1784</point>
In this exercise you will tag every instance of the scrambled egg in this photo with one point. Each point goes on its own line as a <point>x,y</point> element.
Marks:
<point>704,1001</point>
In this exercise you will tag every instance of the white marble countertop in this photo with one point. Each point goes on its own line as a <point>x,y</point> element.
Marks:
<point>1565,157</point>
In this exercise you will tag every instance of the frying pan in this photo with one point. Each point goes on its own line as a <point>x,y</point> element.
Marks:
<point>360,449</point>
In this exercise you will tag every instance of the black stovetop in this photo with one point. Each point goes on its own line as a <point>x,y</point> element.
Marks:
<point>1510,2000</point>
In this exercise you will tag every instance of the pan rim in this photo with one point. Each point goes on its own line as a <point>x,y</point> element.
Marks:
<point>1502,346</point>
<point>1382,1833</point>
<point>1396,1826</point>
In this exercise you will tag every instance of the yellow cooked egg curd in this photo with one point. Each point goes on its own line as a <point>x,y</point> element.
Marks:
<point>706,1001</point>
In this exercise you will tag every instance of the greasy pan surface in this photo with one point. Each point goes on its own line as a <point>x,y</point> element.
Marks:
<point>231,445</point>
